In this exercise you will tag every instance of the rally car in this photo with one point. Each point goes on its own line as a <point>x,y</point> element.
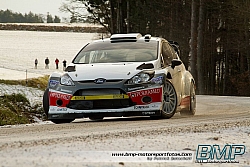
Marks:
<point>124,75</point>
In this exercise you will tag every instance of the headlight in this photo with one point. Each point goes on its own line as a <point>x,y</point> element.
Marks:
<point>144,77</point>
<point>66,80</point>
<point>140,78</point>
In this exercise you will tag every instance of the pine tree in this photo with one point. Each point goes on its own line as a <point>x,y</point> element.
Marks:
<point>57,19</point>
<point>49,18</point>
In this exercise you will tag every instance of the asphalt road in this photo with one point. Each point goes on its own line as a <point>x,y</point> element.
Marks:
<point>218,120</point>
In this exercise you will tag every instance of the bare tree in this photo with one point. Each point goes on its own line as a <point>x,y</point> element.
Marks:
<point>200,45</point>
<point>193,40</point>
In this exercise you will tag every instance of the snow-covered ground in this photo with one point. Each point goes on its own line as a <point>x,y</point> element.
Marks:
<point>57,24</point>
<point>32,94</point>
<point>19,49</point>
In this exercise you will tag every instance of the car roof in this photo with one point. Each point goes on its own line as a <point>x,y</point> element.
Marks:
<point>130,37</point>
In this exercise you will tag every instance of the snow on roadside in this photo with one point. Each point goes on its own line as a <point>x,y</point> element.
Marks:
<point>34,95</point>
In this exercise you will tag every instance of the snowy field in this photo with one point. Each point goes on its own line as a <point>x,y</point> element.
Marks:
<point>19,49</point>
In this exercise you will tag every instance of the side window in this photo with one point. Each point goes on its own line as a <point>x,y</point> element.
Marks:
<point>167,53</point>
<point>174,53</point>
<point>163,65</point>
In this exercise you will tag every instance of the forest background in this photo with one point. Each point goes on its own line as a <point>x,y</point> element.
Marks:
<point>213,35</point>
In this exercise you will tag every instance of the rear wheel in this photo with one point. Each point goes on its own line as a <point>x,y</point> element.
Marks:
<point>46,102</point>
<point>169,100</point>
<point>61,121</point>
<point>192,105</point>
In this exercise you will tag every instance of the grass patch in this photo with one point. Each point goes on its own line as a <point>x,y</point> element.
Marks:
<point>8,117</point>
<point>16,109</point>
<point>40,82</point>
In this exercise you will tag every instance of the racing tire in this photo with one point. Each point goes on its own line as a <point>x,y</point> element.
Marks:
<point>61,121</point>
<point>192,106</point>
<point>169,100</point>
<point>46,102</point>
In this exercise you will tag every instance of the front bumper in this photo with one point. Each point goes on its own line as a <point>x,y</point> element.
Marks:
<point>105,100</point>
<point>67,113</point>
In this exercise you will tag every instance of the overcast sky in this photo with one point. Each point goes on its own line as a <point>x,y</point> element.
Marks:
<point>35,6</point>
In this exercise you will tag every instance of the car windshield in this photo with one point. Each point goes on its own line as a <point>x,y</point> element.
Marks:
<point>106,52</point>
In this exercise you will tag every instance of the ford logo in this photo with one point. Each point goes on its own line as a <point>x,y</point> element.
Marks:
<point>99,80</point>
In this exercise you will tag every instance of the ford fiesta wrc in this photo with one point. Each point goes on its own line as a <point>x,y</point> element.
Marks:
<point>121,76</point>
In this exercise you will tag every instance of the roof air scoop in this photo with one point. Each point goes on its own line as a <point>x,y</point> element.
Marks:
<point>147,36</point>
<point>125,37</point>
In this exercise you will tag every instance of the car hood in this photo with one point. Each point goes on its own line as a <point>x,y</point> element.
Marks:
<point>107,71</point>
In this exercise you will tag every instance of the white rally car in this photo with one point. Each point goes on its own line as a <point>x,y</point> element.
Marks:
<point>124,75</point>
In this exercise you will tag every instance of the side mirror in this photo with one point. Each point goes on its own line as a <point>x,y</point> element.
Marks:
<point>176,62</point>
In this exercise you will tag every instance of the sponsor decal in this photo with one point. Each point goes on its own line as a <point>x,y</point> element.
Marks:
<point>55,96</point>
<point>99,97</point>
<point>148,113</point>
<point>155,106</point>
<point>100,80</point>
<point>52,109</point>
<point>62,109</point>
<point>53,83</point>
<point>65,90</point>
<point>120,96</point>
<point>60,96</point>
<point>157,80</point>
<point>145,92</point>
<point>154,93</point>
<point>140,107</point>
<point>136,88</point>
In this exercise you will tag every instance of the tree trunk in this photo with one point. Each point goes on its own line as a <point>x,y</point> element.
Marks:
<point>200,45</point>
<point>248,65</point>
<point>212,76</point>
<point>128,19</point>
<point>118,24</point>
<point>111,17</point>
<point>171,21</point>
<point>247,46</point>
<point>193,42</point>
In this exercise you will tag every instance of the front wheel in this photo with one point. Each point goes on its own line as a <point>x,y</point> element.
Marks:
<point>169,100</point>
<point>46,101</point>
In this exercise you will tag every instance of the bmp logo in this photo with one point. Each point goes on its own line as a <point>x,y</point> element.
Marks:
<point>214,153</point>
